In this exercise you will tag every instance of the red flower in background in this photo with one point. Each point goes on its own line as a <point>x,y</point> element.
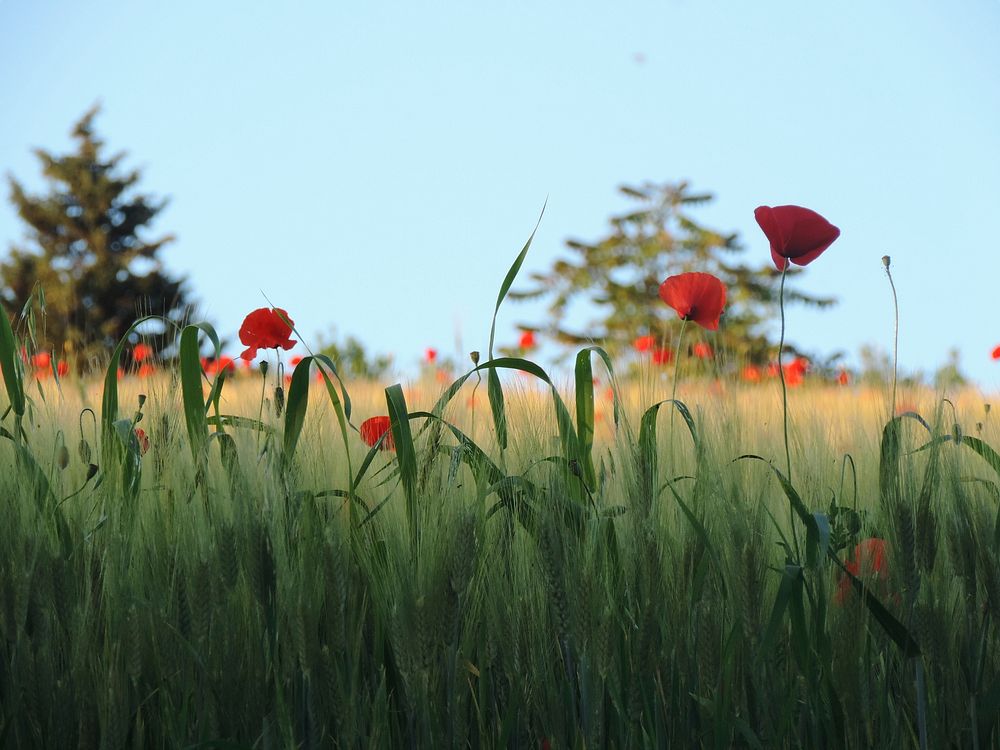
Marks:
<point>141,352</point>
<point>644,343</point>
<point>215,366</point>
<point>869,560</point>
<point>527,340</point>
<point>702,350</point>
<point>430,355</point>
<point>143,438</point>
<point>62,367</point>
<point>294,361</point>
<point>843,378</point>
<point>662,356</point>
<point>266,328</point>
<point>795,371</point>
<point>374,428</point>
<point>772,370</point>
<point>146,371</point>
<point>751,373</point>
<point>695,296</point>
<point>796,234</point>
<point>996,353</point>
<point>42,360</point>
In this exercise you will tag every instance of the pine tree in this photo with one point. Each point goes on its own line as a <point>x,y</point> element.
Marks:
<point>86,254</point>
<point>621,274</point>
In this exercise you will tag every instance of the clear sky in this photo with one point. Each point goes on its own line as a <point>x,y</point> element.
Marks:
<point>376,166</point>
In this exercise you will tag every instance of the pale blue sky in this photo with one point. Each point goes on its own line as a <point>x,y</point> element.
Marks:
<point>376,166</point>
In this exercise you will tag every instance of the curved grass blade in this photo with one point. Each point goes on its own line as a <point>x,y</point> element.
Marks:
<point>399,423</point>
<point>584,376</point>
<point>296,405</point>
<point>893,627</point>
<point>493,388</point>
<point>191,376</point>
<point>12,377</point>
<point>109,398</point>
<point>647,458</point>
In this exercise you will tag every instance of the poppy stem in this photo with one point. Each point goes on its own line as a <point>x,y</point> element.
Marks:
<point>781,371</point>
<point>673,392</point>
<point>895,334</point>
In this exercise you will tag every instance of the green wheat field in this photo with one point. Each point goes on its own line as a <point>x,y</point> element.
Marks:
<point>533,564</point>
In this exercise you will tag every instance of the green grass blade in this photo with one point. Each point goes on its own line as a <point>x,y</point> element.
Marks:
<point>584,376</point>
<point>296,405</point>
<point>893,627</point>
<point>191,377</point>
<point>8,364</point>
<point>494,392</point>
<point>511,275</point>
<point>110,447</point>
<point>406,456</point>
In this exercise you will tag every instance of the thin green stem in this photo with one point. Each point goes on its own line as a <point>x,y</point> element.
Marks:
<point>673,392</point>
<point>781,371</point>
<point>895,334</point>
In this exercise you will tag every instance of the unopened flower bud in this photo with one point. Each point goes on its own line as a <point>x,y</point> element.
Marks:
<point>62,458</point>
<point>886,260</point>
<point>474,356</point>
<point>84,451</point>
<point>91,471</point>
<point>142,400</point>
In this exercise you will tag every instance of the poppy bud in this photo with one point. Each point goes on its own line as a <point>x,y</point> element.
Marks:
<point>886,260</point>
<point>986,408</point>
<point>62,459</point>
<point>91,471</point>
<point>279,400</point>
<point>263,368</point>
<point>474,356</point>
<point>142,399</point>
<point>84,451</point>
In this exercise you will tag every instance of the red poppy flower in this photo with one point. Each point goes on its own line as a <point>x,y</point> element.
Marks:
<point>644,343</point>
<point>662,356</point>
<point>869,560</point>
<point>702,350</point>
<point>42,360</point>
<point>795,371</point>
<point>996,353</point>
<point>751,373</point>
<point>527,340</point>
<point>843,378</point>
<point>266,328</point>
<point>430,355</point>
<point>695,296</point>
<point>374,428</point>
<point>796,234</point>
<point>294,361</point>
<point>146,370</point>
<point>141,352</point>
<point>62,367</point>
<point>143,438</point>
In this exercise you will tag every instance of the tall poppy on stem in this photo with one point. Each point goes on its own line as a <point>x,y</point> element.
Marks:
<point>797,235</point>
<point>699,297</point>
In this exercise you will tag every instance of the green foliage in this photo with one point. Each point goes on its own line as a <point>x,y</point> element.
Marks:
<point>86,248</point>
<point>621,273</point>
<point>353,360</point>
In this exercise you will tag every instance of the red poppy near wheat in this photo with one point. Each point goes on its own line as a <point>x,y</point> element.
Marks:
<point>374,428</point>
<point>266,328</point>
<point>996,353</point>
<point>868,561</point>
<point>699,297</point>
<point>796,234</point>
<point>527,340</point>
<point>661,356</point>
<point>143,438</point>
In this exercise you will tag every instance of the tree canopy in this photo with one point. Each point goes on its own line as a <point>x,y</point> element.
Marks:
<point>621,273</point>
<point>86,253</point>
